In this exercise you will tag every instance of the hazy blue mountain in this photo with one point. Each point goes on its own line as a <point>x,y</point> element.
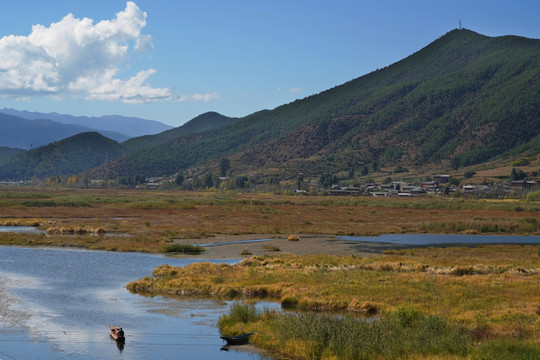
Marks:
<point>128,126</point>
<point>17,132</point>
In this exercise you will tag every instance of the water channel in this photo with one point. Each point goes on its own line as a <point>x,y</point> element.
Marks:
<point>58,304</point>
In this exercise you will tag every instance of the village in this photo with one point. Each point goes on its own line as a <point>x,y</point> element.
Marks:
<point>440,185</point>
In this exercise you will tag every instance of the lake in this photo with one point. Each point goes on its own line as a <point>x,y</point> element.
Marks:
<point>376,244</point>
<point>58,304</point>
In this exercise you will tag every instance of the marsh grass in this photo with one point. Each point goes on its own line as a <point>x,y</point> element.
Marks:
<point>490,290</point>
<point>405,332</point>
<point>20,222</point>
<point>210,212</point>
<point>492,225</point>
<point>504,349</point>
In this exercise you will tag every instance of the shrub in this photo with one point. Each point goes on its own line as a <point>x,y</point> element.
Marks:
<point>293,237</point>
<point>245,252</point>
<point>271,248</point>
<point>185,248</point>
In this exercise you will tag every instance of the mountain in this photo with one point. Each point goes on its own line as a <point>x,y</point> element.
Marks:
<point>7,152</point>
<point>63,158</point>
<point>463,99</point>
<point>26,134</point>
<point>128,126</point>
<point>203,122</point>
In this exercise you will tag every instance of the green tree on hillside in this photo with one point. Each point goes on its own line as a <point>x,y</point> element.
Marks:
<point>224,165</point>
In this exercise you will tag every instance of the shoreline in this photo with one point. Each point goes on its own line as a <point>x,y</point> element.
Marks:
<point>244,246</point>
<point>228,246</point>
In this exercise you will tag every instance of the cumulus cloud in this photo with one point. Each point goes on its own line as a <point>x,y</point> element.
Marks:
<point>77,58</point>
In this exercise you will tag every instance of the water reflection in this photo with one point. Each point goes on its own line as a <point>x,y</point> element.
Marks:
<point>21,229</point>
<point>58,304</point>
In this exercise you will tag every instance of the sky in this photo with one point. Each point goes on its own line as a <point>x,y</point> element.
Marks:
<point>171,60</point>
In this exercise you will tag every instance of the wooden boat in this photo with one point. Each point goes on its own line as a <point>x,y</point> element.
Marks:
<point>117,333</point>
<point>237,340</point>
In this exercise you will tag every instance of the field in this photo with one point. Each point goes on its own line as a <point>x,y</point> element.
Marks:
<point>151,220</point>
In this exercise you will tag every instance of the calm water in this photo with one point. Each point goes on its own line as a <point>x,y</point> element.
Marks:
<point>376,244</point>
<point>21,229</point>
<point>58,304</point>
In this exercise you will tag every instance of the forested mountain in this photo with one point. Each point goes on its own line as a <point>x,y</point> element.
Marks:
<point>204,122</point>
<point>463,99</point>
<point>115,127</point>
<point>63,158</point>
<point>7,152</point>
<point>22,133</point>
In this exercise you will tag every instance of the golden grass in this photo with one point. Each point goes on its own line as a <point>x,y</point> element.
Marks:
<point>156,215</point>
<point>496,285</point>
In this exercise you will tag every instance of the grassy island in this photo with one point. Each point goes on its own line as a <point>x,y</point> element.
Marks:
<point>465,302</point>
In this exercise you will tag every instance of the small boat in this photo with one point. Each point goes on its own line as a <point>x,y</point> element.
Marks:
<point>117,333</point>
<point>237,340</point>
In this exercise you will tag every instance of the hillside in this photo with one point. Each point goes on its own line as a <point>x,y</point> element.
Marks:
<point>7,152</point>
<point>63,158</point>
<point>203,122</point>
<point>22,133</point>
<point>463,99</point>
<point>115,127</point>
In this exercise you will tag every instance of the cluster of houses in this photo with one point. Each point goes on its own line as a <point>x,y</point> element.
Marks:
<point>440,185</point>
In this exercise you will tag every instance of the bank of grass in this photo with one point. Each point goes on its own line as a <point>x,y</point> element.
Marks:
<point>404,333</point>
<point>90,242</point>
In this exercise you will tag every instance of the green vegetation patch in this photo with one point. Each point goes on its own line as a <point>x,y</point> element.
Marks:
<point>184,248</point>
<point>405,333</point>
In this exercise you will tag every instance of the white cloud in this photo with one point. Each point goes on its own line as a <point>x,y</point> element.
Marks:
<point>77,58</point>
<point>295,90</point>
<point>200,97</point>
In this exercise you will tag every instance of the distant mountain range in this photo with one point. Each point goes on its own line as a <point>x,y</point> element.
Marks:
<point>17,132</point>
<point>464,99</point>
<point>84,151</point>
<point>124,127</point>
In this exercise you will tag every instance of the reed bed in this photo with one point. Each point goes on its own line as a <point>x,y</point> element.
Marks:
<point>405,333</point>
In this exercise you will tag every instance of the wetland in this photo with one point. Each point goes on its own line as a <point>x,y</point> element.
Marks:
<point>415,262</point>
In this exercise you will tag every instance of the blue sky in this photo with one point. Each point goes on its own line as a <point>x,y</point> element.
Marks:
<point>171,60</point>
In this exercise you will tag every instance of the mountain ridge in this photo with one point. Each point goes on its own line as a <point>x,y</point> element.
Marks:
<point>427,107</point>
<point>67,157</point>
<point>22,133</point>
<point>128,126</point>
<point>204,122</point>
